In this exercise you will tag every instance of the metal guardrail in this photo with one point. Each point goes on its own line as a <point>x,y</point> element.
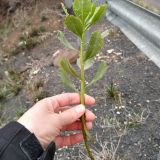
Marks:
<point>141,26</point>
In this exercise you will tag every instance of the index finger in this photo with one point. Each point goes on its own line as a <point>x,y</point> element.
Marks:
<point>62,100</point>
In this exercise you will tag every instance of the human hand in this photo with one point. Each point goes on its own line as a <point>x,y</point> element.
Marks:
<point>51,116</point>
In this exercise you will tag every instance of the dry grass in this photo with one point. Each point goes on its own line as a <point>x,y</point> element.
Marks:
<point>123,118</point>
<point>11,84</point>
<point>29,40</point>
<point>108,151</point>
<point>25,20</point>
<point>20,18</point>
<point>1,114</point>
<point>34,89</point>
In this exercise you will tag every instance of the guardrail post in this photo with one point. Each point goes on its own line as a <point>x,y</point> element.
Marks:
<point>68,3</point>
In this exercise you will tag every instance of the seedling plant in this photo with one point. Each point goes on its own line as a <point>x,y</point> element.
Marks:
<point>85,15</point>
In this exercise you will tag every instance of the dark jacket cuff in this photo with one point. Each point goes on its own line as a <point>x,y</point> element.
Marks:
<point>22,138</point>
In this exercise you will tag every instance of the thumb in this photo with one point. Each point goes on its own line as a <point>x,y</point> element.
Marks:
<point>71,115</point>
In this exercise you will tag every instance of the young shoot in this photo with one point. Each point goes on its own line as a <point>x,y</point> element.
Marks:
<point>85,15</point>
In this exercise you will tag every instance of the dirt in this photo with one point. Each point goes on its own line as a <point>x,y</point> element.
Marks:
<point>152,5</point>
<point>155,3</point>
<point>24,20</point>
<point>131,131</point>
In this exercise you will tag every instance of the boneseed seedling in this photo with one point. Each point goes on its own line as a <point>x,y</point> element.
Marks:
<point>85,15</point>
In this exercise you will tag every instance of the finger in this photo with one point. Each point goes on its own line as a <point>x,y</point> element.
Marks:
<point>70,99</point>
<point>90,116</point>
<point>68,140</point>
<point>61,109</point>
<point>77,126</point>
<point>71,115</point>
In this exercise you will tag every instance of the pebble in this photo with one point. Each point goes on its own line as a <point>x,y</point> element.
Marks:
<point>123,107</point>
<point>118,54</point>
<point>36,71</point>
<point>129,115</point>
<point>130,102</point>
<point>110,51</point>
<point>116,107</point>
<point>147,101</point>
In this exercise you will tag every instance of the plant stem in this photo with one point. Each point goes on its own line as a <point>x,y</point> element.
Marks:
<point>82,98</point>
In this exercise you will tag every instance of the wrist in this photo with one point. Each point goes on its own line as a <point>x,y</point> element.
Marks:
<point>31,129</point>
<point>30,144</point>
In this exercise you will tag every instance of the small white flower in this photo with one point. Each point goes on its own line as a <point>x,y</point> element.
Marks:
<point>118,112</point>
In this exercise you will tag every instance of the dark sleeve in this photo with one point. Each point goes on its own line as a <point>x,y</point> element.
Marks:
<point>17,143</point>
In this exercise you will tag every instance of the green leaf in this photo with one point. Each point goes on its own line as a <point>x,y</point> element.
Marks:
<point>100,73</point>
<point>66,66</point>
<point>66,80</point>
<point>98,14</point>
<point>94,46</point>
<point>74,24</point>
<point>93,8</point>
<point>87,64</point>
<point>82,8</point>
<point>63,40</point>
<point>100,11</point>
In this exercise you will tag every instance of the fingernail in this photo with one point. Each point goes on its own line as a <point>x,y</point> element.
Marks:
<point>89,125</point>
<point>93,99</point>
<point>80,109</point>
<point>92,115</point>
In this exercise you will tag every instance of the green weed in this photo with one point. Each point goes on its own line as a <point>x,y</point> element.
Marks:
<point>35,90</point>
<point>44,18</point>
<point>2,119</point>
<point>12,84</point>
<point>112,91</point>
<point>28,41</point>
